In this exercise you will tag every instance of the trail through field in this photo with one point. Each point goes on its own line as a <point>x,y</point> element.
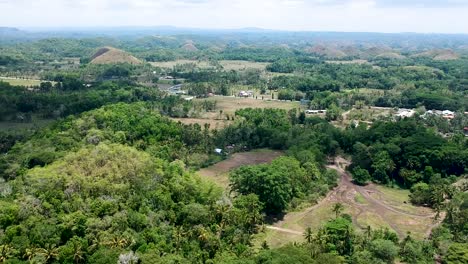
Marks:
<point>374,208</point>
<point>284,230</point>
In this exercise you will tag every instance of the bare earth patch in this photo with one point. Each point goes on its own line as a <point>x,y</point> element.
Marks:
<point>376,206</point>
<point>219,173</point>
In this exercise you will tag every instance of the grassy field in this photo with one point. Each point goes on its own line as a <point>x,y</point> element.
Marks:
<point>348,62</point>
<point>231,104</point>
<point>228,65</point>
<point>228,105</point>
<point>372,205</point>
<point>21,82</point>
<point>239,65</point>
<point>171,64</point>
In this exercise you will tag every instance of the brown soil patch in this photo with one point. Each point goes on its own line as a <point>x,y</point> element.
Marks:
<point>377,211</point>
<point>219,172</point>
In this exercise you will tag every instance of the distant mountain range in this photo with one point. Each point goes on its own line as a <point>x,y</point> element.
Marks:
<point>410,41</point>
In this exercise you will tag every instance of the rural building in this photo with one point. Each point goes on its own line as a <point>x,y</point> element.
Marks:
<point>447,114</point>
<point>245,93</point>
<point>404,113</point>
<point>315,112</point>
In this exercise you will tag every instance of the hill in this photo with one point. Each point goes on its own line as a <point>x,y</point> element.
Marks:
<point>110,55</point>
<point>440,54</point>
<point>189,47</point>
<point>390,55</point>
<point>326,51</point>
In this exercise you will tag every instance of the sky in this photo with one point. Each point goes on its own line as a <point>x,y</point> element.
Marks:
<point>423,16</point>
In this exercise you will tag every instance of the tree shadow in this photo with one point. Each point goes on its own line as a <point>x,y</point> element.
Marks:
<point>273,218</point>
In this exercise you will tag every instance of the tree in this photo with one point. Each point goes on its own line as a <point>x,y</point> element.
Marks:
<point>361,176</point>
<point>45,86</point>
<point>6,252</point>
<point>333,113</point>
<point>384,249</point>
<point>457,254</point>
<point>49,253</point>
<point>308,235</point>
<point>337,209</point>
<point>383,166</point>
<point>420,194</point>
<point>275,184</point>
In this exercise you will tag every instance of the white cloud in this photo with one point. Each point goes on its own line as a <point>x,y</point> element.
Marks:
<point>447,16</point>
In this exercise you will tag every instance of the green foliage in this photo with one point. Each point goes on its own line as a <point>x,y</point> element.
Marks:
<point>361,176</point>
<point>457,254</point>
<point>384,250</point>
<point>276,184</point>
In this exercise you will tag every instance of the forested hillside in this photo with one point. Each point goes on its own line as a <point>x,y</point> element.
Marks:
<point>99,162</point>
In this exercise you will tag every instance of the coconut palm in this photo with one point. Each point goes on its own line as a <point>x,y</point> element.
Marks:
<point>30,253</point>
<point>308,235</point>
<point>337,209</point>
<point>6,252</point>
<point>78,254</point>
<point>50,253</point>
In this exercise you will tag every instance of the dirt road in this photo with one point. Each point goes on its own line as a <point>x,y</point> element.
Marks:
<point>373,208</point>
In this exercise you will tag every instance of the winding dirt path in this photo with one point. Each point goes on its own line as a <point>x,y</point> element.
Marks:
<point>345,193</point>
<point>285,230</point>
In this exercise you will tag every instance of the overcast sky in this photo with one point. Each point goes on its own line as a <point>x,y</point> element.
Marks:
<point>428,16</point>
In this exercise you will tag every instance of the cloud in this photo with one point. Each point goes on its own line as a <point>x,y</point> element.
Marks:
<point>422,3</point>
<point>318,15</point>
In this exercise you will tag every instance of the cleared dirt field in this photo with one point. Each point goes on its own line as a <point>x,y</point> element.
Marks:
<point>219,173</point>
<point>370,205</point>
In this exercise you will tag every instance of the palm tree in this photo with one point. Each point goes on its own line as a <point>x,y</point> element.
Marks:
<point>78,254</point>
<point>178,235</point>
<point>50,252</point>
<point>117,242</point>
<point>6,252</point>
<point>308,235</point>
<point>30,253</point>
<point>337,209</point>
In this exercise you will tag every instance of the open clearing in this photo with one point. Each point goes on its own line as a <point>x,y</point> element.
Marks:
<point>228,65</point>
<point>229,105</point>
<point>172,64</point>
<point>348,61</point>
<point>239,65</point>
<point>370,205</point>
<point>219,172</point>
<point>21,82</point>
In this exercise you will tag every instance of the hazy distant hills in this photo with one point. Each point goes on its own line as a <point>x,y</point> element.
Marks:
<point>329,45</point>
